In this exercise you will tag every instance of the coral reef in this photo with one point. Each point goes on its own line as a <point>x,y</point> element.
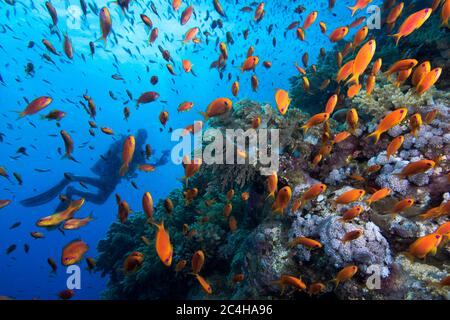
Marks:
<point>260,249</point>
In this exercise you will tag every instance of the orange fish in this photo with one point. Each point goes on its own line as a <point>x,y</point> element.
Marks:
<point>187,66</point>
<point>176,4</point>
<point>402,205</point>
<point>425,245</point>
<point>341,136</point>
<point>362,60</point>
<point>352,120</point>
<point>376,66</point>
<point>360,36</point>
<point>310,20</point>
<point>377,196</point>
<point>401,65</point>
<point>227,210</point>
<point>146,168</point>
<point>283,101</point>
<point>105,23</point>
<point>35,106</point>
<point>127,154</point>
<point>73,252</point>
<point>412,23</point>
<point>414,123</point>
<point>256,122</point>
<point>190,168</point>
<point>300,34</point>
<point>282,200</point>
<point>428,81</point>
<point>394,146</point>
<point>345,274</point>
<point>307,242</point>
<point>232,223</point>
<point>180,265</point>
<point>186,15</point>
<point>393,15</point>
<point>316,288</point>
<point>359,5</point>
<point>163,246</point>
<point>238,278</point>
<point>331,104</point>
<point>198,260</point>
<point>323,27</point>
<point>345,71</point>
<point>259,12</point>
<point>68,145</point>
<point>351,214</point>
<point>353,90</point>
<point>223,50</point>
<point>338,34</point>
<point>352,235</point>
<point>217,108</point>
<point>73,224</point>
<point>431,213</point>
<point>205,285</point>
<point>315,121</point>
<point>421,71</point>
<point>245,196</point>
<point>57,218</point>
<point>255,83</point>
<point>370,84</point>
<point>272,184</point>
<point>250,64</point>
<point>350,196</point>
<point>313,192</point>
<point>445,14</point>
<point>185,106</point>
<point>444,229</point>
<point>300,69</point>
<point>235,88</point>
<point>4,203</point>
<point>413,168</point>
<point>391,120</point>
<point>287,280</point>
<point>147,205</point>
<point>190,35</point>
<point>133,261</point>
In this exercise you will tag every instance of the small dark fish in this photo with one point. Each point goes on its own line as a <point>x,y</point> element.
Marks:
<point>11,248</point>
<point>15,225</point>
<point>52,264</point>
<point>18,178</point>
<point>26,248</point>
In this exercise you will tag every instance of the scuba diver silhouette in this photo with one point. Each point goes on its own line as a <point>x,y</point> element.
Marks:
<point>107,170</point>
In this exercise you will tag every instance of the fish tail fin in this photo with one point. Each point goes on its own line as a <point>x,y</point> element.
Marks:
<point>336,282</point>
<point>397,38</point>
<point>157,225</point>
<point>205,115</point>
<point>353,79</point>
<point>445,24</point>
<point>353,10</point>
<point>123,169</point>
<point>277,209</point>
<point>376,134</point>
<point>272,194</point>
<point>305,128</point>
<point>408,256</point>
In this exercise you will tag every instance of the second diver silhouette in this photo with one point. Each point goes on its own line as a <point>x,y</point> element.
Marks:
<point>107,171</point>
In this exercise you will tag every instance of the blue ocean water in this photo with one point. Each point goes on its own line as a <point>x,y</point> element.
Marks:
<point>27,275</point>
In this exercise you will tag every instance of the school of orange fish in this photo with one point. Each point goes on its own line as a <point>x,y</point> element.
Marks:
<point>350,76</point>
